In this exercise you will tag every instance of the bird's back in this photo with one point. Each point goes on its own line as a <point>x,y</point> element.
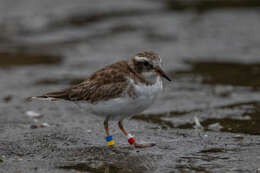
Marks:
<point>109,82</point>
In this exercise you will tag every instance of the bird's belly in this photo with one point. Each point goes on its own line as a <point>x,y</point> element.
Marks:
<point>125,106</point>
<point>118,108</point>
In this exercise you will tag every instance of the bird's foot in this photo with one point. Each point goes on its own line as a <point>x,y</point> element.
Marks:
<point>134,146</point>
<point>131,141</point>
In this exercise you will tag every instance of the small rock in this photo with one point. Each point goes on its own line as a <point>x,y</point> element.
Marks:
<point>33,114</point>
<point>44,125</point>
<point>33,126</point>
<point>7,98</point>
<point>238,137</point>
<point>197,123</point>
<point>215,127</point>
<point>20,159</point>
<point>223,91</point>
<point>247,117</point>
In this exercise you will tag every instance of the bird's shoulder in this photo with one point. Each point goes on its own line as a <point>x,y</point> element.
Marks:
<point>113,73</point>
<point>106,83</point>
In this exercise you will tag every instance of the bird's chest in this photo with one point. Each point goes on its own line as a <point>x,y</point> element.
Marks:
<point>144,91</point>
<point>146,94</point>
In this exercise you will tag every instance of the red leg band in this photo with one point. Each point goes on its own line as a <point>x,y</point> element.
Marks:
<point>131,139</point>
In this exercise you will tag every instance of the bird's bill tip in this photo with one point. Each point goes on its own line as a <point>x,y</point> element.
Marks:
<point>160,72</point>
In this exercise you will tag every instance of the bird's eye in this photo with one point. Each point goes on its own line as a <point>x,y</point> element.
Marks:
<point>146,63</point>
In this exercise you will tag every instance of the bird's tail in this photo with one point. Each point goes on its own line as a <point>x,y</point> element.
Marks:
<point>53,96</point>
<point>29,99</point>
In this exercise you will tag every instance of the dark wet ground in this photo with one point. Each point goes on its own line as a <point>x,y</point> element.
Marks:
<point>209,48</point>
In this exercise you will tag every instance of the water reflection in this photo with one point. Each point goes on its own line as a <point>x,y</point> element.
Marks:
<point>112,168</point>
<point>106,159</point>
<point>225,73</point>
<point>248,122</point>
<point>21,58</point>
<point>204,5</point>
<point>84,167</point>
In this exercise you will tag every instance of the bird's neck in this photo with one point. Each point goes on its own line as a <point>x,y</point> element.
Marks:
<point>148,78</point>
<point>151,77</point>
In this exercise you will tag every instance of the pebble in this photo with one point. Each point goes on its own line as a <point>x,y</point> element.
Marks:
<point>238,137</point>
<point>33,126</point>
<point>197,123</point>
<point>215,127</point>
<point>44,125</point>
<point>33,114</point>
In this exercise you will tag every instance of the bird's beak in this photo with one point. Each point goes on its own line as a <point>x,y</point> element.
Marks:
<point>160,72</point>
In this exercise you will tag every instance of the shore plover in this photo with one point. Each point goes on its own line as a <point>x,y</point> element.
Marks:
<point>118,91</point>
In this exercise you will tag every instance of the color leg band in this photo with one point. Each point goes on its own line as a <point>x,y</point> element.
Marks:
<point>131,139</point>
<point>110,141</point>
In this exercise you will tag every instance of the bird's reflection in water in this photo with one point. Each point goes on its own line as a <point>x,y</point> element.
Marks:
<point>111,169</point>
<point>83,167</point>
<point>119,161</point>
<point>107,169</point>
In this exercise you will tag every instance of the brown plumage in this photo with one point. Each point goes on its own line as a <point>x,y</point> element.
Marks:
<point>134,84</point>
<point>109,82</point>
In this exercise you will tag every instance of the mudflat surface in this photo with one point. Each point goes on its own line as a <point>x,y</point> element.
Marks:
<point>212,54</point>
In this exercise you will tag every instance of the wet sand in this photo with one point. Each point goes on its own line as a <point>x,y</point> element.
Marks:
<point>212,55</point>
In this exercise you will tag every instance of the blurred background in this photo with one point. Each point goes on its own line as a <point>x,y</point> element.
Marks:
<point>206,120</point>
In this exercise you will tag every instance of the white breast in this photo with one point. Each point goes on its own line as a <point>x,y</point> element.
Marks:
<point>148,91</point>
<point>120,108</point>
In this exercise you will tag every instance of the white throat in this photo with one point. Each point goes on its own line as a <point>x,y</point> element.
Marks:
<point>149,91</point>
<point>150,77</point>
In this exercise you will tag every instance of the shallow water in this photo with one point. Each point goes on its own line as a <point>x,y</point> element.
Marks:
<point>209,50</point>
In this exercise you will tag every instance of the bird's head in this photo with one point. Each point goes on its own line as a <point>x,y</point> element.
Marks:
<point>148,64</point>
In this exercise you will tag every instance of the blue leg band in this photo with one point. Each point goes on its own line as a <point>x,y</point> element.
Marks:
<point>109,138</point>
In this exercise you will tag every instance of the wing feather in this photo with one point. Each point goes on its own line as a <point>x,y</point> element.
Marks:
<point>109,82</point>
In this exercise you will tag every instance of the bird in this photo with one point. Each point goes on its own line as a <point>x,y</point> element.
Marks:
<point>118,91</point>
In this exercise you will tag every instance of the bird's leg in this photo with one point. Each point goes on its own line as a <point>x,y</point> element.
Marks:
<point>109,139</point>
<point>106,127</point>
<point>122,128</point>
<point>131,139</point>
